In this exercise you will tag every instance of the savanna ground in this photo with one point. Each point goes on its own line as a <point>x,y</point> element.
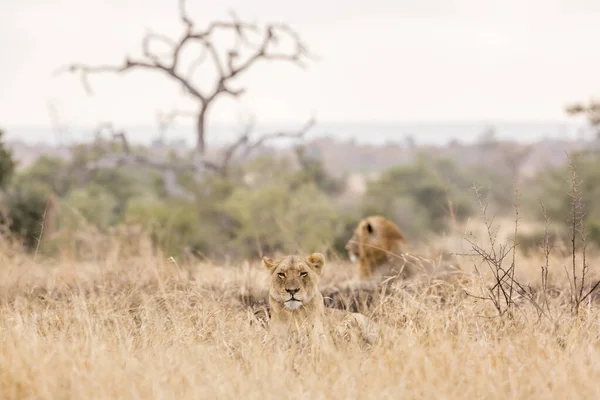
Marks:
<point>134,323</point>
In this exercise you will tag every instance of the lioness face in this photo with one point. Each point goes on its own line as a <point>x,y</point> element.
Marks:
<point>293,280</point>
<point>363,231</point>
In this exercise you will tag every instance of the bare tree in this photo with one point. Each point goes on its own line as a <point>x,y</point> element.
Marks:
<point>229,67</point>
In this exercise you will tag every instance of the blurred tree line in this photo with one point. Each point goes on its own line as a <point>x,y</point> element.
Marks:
<point>264,204</point>
<point>270,203</point>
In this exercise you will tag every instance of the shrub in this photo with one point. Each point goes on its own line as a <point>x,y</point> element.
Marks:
<point>420,197</point>
<point>24,207</point>
<point>275,217</point>
<point>7,164</point>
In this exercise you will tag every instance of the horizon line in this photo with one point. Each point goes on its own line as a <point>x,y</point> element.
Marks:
<point>569,121</point>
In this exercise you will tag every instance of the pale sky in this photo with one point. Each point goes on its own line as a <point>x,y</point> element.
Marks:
<point>380,60</point>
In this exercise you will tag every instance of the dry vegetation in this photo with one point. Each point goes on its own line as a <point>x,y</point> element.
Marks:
<point>138,325</point>
<point>109,316</point>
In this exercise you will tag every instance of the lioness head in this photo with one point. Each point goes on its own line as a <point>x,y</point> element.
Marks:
<point>294,282</point>
<point>374,235</point>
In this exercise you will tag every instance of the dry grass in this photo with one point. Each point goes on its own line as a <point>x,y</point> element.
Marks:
<point>139,327</point>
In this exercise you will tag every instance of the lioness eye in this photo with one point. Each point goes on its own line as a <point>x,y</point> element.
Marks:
<point>281,275</point>
<point>303,274</point>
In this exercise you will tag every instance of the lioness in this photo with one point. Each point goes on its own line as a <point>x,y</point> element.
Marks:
<point>377,245</point>
<point>297,304</point>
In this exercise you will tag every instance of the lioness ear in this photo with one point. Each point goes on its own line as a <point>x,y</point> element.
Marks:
<point>269,263</point>
<point>316,261</point>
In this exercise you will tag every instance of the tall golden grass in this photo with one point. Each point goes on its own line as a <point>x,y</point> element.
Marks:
<point>129,325</point>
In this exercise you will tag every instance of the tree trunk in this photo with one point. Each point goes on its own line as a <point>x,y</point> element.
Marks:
<point>200,130</point>
<point>200,154</point>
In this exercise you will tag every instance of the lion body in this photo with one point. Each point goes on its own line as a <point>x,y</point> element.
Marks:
<point>377,246</point>
<point>297,307</point>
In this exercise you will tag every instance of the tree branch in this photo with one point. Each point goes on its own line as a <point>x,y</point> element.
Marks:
<point>120,135</point>
<point>128,157</point>
<point>232,66</point>
<point>246,143</point>
<point>242,141</point>
<point>280,135</point>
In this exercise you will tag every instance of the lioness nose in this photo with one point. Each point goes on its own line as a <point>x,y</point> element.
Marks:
<point>292,291</point>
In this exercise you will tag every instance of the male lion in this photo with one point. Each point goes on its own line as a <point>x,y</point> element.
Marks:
<point>377,244</point>
<point>297,304</point>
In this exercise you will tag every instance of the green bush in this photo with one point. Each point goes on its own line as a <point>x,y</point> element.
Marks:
<point>52,171</point>
<point>275,217</point>
<point>96,204</point>
<point>177,226</point>
<point>420,197</point>
<point>23,201</point>
<point>312,169</point>
<point>7,164</point>
<point>265,206</point>
<point>24,207</point>
<point>553,190</point>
